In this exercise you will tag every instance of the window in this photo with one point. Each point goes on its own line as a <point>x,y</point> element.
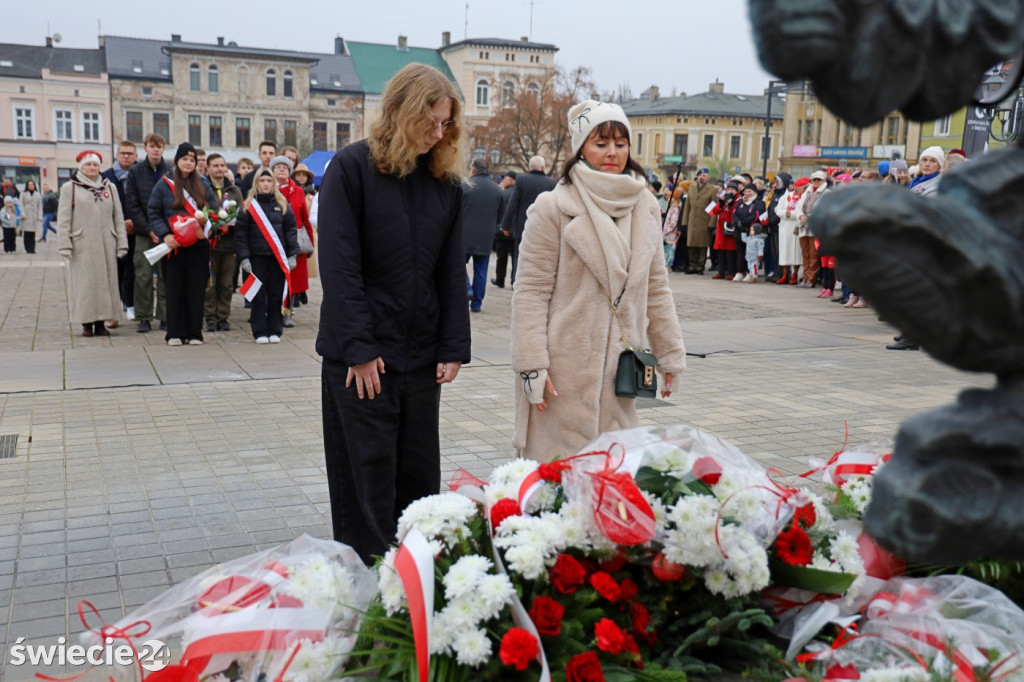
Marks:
<point>291,130</point>
<point>270,129</point>
<point>242,136</point>
<point>892,130</point>
<point>942,126</point>
<point>639,144</point>
<point>213,79</point>
<point>193,78</point>
<point>216,131</point>
<point>288,86</point>
<point>63,125</point>
<point>195,130</point>
<point>679,145</point>
<point>533,90</point>
<point>271,83</point>
<point>319,135</point>
<point>161,126</point>
<point>90,126</point>
<point>508,94</point>
<point>133,126</point>
<point>332,103</point>
<point>483,91</point>
<point>734,147</point>
<point>24,123</point>
<point>344,134</point>
<point>709,145</point>
<point>147,90</point>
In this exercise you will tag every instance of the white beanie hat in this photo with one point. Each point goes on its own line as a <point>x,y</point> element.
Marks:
<point>586,116</point>
<point>936,153</point>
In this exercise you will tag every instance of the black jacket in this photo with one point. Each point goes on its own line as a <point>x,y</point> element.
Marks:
<point>249,239</point>
<point>50,200</point>
<point>392,266</point>
<point>111,175</point>
<point>744,216</point>
<point>138,186</point>
<point>773,218</point>
<point>483,204</point>
<point>160,207</point>
<point>528,187</point>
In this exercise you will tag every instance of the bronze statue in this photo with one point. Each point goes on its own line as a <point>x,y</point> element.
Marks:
<point>946,270</point>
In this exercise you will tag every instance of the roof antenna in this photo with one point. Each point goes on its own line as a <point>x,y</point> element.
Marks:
<point>465,28</point>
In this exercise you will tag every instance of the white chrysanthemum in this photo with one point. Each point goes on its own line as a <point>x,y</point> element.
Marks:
<point>717,580</point>
<point>908,674</point>
<point>526,561</point>
<point>542,500</point>
<point>444,516</point>
<point>313,662</point>
<point>859,491</point>
<point>464,612</point>
<point>845,550</point>
<point>512,472</point>
<point>500,491</point>
<point>745,507</point>
<point>392,592</point>
<point>669,459</point>
<point>658,507</point>
<point>822,563</point>
<point>726,486</point>
<point>464,575</point>
<point>472,648</point>
<point>493,593</point>
<point>824,522</point>
<point>443,632</point>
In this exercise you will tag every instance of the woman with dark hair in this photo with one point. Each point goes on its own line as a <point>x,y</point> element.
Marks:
<point>591,282</point>
<point>176,197</point>
<point>394,323</point>
<point>31,215</point>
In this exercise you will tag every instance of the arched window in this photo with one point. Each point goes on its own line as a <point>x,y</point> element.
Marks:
<point>508,94</point>
<point>271,83</point>
<point>193,78</point>
<point>213,79</point>
<point>483,92</point>
<point>288,87</point>
<point>532,88</point>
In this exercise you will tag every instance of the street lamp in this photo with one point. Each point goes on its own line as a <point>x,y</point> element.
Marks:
<point>1004,100</point>
<point>495,156</point>
<point>479,153</point>
<point>766,143</point>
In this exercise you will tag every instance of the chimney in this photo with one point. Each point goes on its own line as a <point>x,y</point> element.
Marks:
<point>49,41</point>
<point>339,45</point>
<point>717,87</point>
<point>175,37</point>
<point>653,93</point>
<point>403,43</point>
<point>525,39</point>
<point>103,42</point>
<point>446,38</point>
<point>220,41</point>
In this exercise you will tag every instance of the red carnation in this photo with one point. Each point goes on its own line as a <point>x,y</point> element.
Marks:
<point>546,614</point>
<point>567,575</point>
<point>794,546</point>
<point>640,623</point>
<point>518,648</point>
<point>610,636</point>
<point>707,470</point>
<point>629,589</point>
<point>552,471</point>
<point>584,667</point>
<point>614,564</point>
<point>805,516</point>
<point>503,509</point>
<point>606,586</point>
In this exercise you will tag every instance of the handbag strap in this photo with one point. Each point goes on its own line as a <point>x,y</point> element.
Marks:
<point>615,314</point>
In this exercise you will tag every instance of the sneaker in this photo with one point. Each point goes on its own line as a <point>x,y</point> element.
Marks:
<point>223,326</point>
<point>262,339</point>
<point>274,338</point>
<point>740,277</point>
<point>288,321</point>
<point>729,277</point>
<point>130,312</point>
<point>751,279</point>
<point>173,342</point>
<point>719,276</point>
<point>825,293</point>
<point>144,327</point>
<point>211,326</point>
<point>195,342</point>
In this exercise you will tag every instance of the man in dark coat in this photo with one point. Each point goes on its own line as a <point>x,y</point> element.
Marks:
<point>528,187</point>
<point>126,157</point>
<point>482,207</point>
<point>502,238</point>
<point>138,185</point>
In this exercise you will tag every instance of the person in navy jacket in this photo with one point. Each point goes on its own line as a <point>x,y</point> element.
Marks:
<point>394,324</point>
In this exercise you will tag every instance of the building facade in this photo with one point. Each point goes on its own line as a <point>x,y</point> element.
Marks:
<point>713,129</point>
<point>54,103</point>
<point>226,98</point>
<point>815,137</point>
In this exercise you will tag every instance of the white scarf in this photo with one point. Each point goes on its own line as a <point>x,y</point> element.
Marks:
<point>609,199</point>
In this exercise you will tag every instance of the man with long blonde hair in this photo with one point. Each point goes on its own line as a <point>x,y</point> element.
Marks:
<point>394,325</point>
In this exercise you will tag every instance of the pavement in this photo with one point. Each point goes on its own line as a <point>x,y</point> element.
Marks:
<point>137,465</point>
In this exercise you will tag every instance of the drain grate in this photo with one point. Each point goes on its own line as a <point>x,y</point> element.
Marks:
<point>644,403</point>
<point>8,445</point>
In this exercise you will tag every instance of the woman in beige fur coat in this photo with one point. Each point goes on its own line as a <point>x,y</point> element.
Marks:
<point>593,240</point>
<point>91,237</point>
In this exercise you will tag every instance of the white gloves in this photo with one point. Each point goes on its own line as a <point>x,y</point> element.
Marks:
<point>245,265</point>
<point>533,383</point>
<point>292,262</point>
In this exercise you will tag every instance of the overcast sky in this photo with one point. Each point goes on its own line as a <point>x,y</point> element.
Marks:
<point>684,44</point>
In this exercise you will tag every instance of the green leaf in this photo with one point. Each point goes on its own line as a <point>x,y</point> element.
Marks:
<point>812,579</point>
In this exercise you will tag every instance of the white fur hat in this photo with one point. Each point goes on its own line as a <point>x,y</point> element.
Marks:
<point>936,153</point>
<point>586,116</point>
<point>88,155</point>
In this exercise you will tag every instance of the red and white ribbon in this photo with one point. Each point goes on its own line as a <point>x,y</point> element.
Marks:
<point>270,235</point>
<point>415,565</point>
<point>193,208</point>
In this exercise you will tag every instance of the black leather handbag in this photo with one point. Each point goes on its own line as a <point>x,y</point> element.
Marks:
<point>636,376</point>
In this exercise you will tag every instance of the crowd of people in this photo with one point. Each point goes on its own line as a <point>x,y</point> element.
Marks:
<point>107,221</point>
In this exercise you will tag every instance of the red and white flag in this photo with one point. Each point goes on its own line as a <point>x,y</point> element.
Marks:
<point>250,287</point>
<point>711,207</point>
<point>763,217</point>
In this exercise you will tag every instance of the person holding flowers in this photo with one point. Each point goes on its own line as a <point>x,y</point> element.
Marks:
<point>591,282</point>
<point>217,306</point>
<point>177,199</point>
<point>298,281</point>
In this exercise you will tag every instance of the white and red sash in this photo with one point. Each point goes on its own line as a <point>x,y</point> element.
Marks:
<point>192,208</point>
<point>262,222</point>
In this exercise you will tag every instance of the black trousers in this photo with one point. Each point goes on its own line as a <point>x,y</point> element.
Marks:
<point>30,241</point>
<point>727,262</point>
<point>381,454</point>
<point>266,305</point>
<point>126,274</point>
<point>186,272</point>
<point>10,237</point>
<point>503,245</point>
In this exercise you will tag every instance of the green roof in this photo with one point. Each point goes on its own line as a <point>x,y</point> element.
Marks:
<point>376,63</point>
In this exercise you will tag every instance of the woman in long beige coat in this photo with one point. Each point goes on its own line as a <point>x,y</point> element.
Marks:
<point>593,240</point>
<point>31,215</point>
<point>91,237</point>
